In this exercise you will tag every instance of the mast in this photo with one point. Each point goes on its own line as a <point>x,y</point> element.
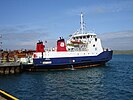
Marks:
<point>1,42</point>
<point>81,23</point>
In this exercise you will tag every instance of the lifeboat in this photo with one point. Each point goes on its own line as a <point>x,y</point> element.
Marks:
<point>76,42</point>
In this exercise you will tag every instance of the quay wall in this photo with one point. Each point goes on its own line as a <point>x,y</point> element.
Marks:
<point>10,68</point>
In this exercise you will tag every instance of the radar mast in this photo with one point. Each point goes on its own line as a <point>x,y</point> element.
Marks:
<point>82,24</point>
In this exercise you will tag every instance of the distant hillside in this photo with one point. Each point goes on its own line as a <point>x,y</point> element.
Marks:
<point>122,51</point>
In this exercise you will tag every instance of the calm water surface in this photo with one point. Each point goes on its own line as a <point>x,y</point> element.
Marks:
<point>111,82</point>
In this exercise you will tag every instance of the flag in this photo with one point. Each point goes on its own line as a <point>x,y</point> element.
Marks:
<point>45,41</point>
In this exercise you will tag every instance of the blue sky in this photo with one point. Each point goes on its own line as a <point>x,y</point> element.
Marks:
<point>24,22</point>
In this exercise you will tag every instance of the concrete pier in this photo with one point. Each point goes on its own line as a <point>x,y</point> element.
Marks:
<point>9,68</point>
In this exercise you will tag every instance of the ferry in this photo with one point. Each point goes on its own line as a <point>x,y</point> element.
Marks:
<point>82,49</point>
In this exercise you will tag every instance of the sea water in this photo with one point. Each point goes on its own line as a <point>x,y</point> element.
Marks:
<point>114,81</point>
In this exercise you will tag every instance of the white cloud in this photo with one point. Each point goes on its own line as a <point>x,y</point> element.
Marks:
<point>118,40</point>
<point>102,8</point>
<point>22,36</point>
<point>26,38</point>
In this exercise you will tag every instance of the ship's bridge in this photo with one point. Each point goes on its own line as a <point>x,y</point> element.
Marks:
<point>84,37</point>
<point>81,42</point>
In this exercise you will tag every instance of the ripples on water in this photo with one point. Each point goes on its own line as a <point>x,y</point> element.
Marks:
<point>111,82</point>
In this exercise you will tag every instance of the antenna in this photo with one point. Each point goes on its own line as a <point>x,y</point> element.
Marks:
<point>0,41</point>
<point>82,23</point>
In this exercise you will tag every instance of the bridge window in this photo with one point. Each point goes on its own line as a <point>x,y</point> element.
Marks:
<point>77,38</point>
<point>84,37</point>
<point>80,37</point>
<point>88,36</point>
